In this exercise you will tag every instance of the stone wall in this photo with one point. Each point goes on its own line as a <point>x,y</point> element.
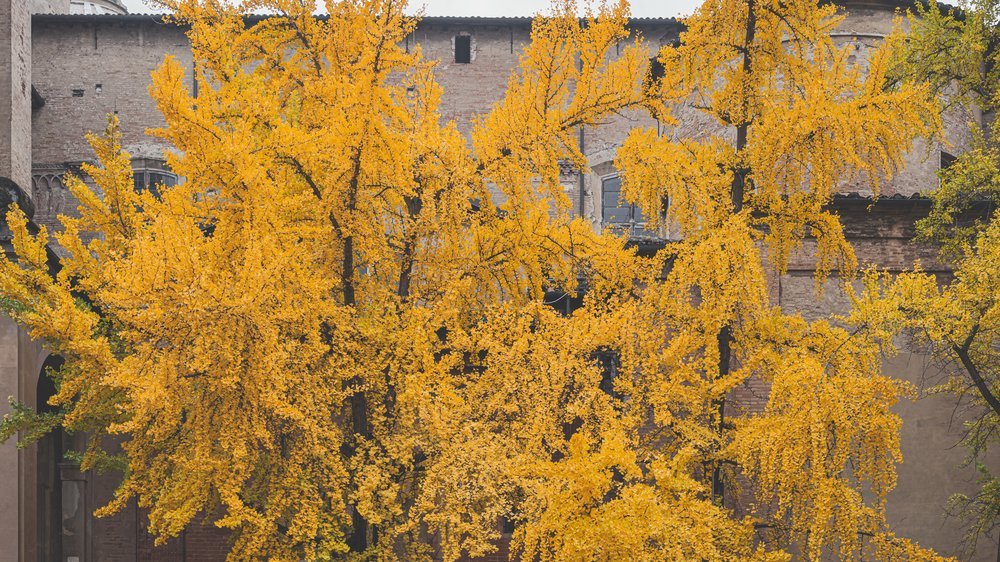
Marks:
<point>16,359</point>
<point>49,6</point>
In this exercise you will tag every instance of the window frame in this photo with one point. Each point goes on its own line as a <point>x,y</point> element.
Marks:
<point>146,168</point>
<point>632,208</point>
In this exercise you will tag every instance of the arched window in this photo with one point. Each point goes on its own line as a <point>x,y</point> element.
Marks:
<point>150,174</point>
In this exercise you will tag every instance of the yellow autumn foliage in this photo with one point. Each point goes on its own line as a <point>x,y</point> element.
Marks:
<point>333,337</point>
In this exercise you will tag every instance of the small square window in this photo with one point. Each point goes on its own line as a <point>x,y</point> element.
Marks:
<point>463,49</point>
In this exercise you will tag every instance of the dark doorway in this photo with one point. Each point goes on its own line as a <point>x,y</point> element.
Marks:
<point>50,453</point>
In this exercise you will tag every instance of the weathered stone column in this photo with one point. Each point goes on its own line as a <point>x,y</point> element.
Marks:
<point>9,457</point>
<point>15,183</point>
<point>15,92</point>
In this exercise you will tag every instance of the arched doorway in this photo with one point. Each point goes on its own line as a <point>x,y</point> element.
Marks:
<point>49,483</point>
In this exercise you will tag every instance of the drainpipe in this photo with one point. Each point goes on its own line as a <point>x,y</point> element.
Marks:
<point>581,178</point>
<point>581,142</point>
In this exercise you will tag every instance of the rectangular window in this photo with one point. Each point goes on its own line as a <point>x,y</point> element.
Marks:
<point>946,162</point>
<point>139,178</point>
<point>618,215</point>
<point>614,210</point>
<point>162,178</point>
<point>656,72</point>
<point>463,49</point>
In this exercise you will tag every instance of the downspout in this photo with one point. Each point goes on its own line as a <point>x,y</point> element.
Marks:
<point>581,178</point>
<point>581,141</point>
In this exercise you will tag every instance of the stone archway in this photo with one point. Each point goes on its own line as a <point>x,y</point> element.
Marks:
<point>50,451</point>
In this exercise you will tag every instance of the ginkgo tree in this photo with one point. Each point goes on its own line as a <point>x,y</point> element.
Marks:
<point>957,52</point>
<point>803,120</point>
<point>332,336</point>
<point>284,340</point>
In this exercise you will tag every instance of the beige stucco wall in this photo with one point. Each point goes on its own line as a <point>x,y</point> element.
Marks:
<point>932,468</point>
<point>10,459</point>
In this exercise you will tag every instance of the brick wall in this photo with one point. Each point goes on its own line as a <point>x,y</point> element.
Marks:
<point>15,92</point>
<point>107,62</point>
<point>931,468</point>
<point>86,69</point>
<point>201,542</point>
<point>77,54</point>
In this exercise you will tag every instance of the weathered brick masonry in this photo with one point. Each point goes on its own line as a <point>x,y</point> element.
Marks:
<point>85,66</point>
<point>15,91</point>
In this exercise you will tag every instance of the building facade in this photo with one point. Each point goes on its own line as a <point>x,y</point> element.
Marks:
<point>66,64</point>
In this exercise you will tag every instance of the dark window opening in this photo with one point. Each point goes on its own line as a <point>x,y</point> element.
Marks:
<point>37,101</point>
<point>656,72</point>
<point>563,302</point>
<point>947,160</point>
<point>620,216</point>
<point>463,49</point>
<point>609,361</point>
<point>50,451</point>
<point>78,92</point>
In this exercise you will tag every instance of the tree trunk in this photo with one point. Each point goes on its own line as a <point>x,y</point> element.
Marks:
<point>737,192</point>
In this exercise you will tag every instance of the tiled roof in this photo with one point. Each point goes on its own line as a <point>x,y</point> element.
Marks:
<point>857,197</point>
<point>488,20</point>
